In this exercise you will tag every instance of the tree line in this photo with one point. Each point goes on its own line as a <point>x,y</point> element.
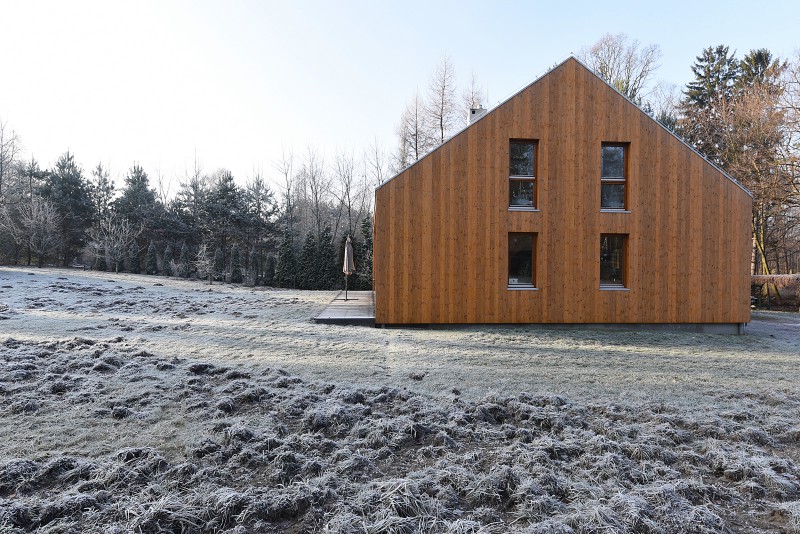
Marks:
<point>743,114</point>
<point>211,228</point>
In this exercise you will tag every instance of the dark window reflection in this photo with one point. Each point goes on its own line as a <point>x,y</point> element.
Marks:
<point>612,258</point>
<point>521,163</point>
<point>613,162</point>
<point>521,193</point>
<point>612,196</point>
<point>520,260</point>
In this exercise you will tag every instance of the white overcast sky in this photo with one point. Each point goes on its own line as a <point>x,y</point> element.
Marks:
<point>236,82</point>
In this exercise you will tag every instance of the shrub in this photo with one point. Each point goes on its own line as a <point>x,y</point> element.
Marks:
<point>236,265</point>
<point>133,259</point>
<point>184,261</point>
<point>168,261</point>
<point>151,265</point>
<point>218,265</point>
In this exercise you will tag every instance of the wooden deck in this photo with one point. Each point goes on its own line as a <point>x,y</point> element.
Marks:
<point>358,309</point>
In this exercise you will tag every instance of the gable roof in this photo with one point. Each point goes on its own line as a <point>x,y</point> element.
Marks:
<point>534,82</point>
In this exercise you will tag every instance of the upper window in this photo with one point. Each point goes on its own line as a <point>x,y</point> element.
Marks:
<point>614,177</point>
<point>521,260</point>
<point>613,252</point>
<point>522,174</point>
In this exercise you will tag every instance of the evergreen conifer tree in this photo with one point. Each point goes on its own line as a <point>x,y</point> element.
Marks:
<point>168,258</point>
<point>253,264</point>
<point>286,274</point>
<point>133,258</point>
<point>137,201</point>
<point>309,272</point>
<point>218,265</point>
<point>269,271</point>
<point>236,265</point>
<point>330,271</point>
<point>715,72</point>
<point>364,260</point>
<point>67,188</point>
<point>184,260</point>
<point>151,266</point>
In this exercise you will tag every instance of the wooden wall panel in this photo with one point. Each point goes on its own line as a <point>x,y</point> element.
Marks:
<point>441,226</point>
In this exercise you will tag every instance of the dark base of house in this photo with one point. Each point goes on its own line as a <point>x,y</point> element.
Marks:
<point>698,328</point>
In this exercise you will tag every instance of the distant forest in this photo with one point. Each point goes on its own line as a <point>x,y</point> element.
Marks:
<point>742,113</point>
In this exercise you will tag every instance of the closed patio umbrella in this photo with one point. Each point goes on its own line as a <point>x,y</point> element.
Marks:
<point>349,266</point>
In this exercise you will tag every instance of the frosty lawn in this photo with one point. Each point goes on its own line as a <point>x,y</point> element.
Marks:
<point>136,402</point>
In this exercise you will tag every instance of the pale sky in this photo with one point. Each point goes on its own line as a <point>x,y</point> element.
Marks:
<point>236,82</point>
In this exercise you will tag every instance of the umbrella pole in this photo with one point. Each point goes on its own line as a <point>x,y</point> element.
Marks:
<point>345,287</point>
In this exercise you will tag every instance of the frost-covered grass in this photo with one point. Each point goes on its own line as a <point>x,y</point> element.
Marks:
<point>127,406</point>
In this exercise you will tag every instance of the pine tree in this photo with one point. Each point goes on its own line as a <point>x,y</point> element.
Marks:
<point>184,261</point>
<point>269,271</point>
<point>152,259</point>
<point>225,212</point>
<point>253,264</point>
<point>168,258</point>
<point>137,203</point>
<point>236,265</point>
<point>286,271</point>
<point>715,72</point>
<point>218,267</point>
<point>66,187</point>
<point>308,271</point>
<point>330,271</point>
<point>133,258</point>
<point>364,261</point>
<point>759,68</point>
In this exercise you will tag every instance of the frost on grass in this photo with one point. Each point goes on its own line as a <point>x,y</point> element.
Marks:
<point>269,452</point>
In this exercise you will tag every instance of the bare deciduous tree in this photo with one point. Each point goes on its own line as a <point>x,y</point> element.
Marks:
<point>751,142</point>
<point>621,62</point>
<point>347,193</point>
<point>414,134</point>
<point>285,167</point>
<point>318,183</point>
<point>203,263</point>
<point>9,149</point>
<point>375,163</point>
<point>663,103</point>
<point>34,225</point>
<point>442,108</point>
<point>112,238</point>
<point>472,98</point>
<point>163,186</point>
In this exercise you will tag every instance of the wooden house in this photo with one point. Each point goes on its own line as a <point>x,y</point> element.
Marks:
<point>564,204</point>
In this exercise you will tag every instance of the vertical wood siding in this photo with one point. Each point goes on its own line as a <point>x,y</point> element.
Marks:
<point>441,226</point>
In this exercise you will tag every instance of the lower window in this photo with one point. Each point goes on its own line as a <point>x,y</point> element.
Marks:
<point>522,193</point>
<point>613,252</point>
<point>521,260</point>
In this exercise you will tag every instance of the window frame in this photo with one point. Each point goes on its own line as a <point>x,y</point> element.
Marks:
<point>623,284</point>
<point>532,285</point>
<point>517,178</point>
<point>624,180</point>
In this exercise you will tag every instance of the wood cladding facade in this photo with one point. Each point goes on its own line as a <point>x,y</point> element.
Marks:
<point>442,225</point>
